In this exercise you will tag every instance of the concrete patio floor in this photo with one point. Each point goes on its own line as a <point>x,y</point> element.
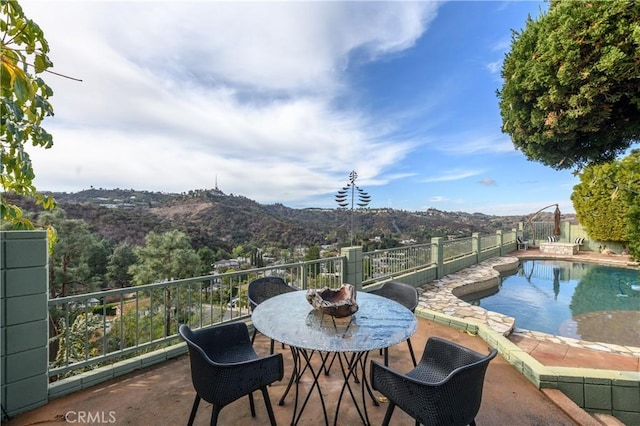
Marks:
<point>163,394</point>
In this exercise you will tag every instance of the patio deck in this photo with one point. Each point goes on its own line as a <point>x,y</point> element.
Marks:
<point>163,395</point>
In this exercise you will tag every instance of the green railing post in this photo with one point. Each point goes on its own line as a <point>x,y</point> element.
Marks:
<point>565,229</point>
<point>476,245</point>
<point>304,278</point>
<point>353,270</point>
<point>500,241</point>
<point>437,255</point>
<point>24,326</point>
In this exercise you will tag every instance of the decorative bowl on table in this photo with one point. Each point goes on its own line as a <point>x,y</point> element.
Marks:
<point>339,303</point>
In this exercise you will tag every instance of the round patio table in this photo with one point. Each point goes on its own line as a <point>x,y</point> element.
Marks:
<point>379,323</point>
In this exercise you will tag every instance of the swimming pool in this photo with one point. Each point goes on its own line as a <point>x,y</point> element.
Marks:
<point>571,299</point>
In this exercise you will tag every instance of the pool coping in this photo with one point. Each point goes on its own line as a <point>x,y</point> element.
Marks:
<point>596,390</point>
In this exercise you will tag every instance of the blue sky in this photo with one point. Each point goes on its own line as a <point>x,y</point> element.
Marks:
<point>280,101</point>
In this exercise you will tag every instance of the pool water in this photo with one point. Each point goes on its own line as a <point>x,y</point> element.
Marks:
<point>571,299</point>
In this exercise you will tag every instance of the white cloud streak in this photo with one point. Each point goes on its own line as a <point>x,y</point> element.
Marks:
<point>452,175</point>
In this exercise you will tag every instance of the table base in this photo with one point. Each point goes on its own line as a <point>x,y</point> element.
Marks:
<point>351,363</point>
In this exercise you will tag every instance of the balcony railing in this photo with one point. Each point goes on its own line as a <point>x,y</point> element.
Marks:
<point>100,328</point>
<point>383,264</point>
<point>97,328</point>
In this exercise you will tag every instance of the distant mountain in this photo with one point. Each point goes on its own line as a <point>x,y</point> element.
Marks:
<point>212,218</point>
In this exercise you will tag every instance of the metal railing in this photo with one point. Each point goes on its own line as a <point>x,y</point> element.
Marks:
<point>382,264</point>
<point>98,328</point>
<point>455,249</point>
<point>488,242</point>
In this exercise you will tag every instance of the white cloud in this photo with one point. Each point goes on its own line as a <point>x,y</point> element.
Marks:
<point>494,67</point>
<point>451,175</point>
<point>475,142</point>
<point>438,199</point>
<point>176,93</point>
<point>487,182</point>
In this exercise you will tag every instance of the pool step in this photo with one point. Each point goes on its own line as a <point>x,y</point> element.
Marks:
<point>570,408</point>
<point>607,419</point>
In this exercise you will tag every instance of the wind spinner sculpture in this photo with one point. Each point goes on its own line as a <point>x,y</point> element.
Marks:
<point>342,198</point>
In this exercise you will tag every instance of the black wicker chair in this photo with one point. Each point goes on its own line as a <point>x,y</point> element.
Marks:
<point>224,367</point>
<point>407,296</point>
<point>262,289</point>
<point>444,389</point>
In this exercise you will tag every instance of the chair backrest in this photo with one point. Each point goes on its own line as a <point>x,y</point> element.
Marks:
<point>264,288</point>
<point>405,294</point>
<point>519,240</point>
<point>461,380</point>
<point>208,353</point>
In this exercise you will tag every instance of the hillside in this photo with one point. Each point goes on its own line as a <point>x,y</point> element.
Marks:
<point>212,218</point>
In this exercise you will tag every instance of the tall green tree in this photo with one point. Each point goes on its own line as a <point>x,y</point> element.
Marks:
<point>313,253</point>
<point>207,257</point>
<point>605,197</point>
<point>571,95</point>
<point>98,259</point>
<point>118,265</point>
<point>69,262</point>
<point>165,257</point>
<point>24,104</point>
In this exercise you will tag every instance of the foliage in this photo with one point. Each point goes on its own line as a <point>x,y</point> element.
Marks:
<point>633,231</point>
<point>131,329</point>
<point>313,253</point>
<point>23,106</point>
<point>207,258</point>
<point>605,195</point>
<point>571,96</point>
<point>166,257</point>
<point>267,225</point>
<point>70,260</point>
<point>118,265</point>
<point>97,261</point>
<point>71,341</point>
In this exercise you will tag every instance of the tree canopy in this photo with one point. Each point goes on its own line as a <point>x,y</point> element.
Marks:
<point>571,95</point>
<point>605,197</point>
<point>166,256</point>
<point>24,103</point>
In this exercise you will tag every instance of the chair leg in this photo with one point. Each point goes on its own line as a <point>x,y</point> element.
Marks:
<point>267,401</point>
<point>214,415</point>
<point>271,347</point>
<point>252,405</point>
<point>253,337</point>
<point>413,357</point>
<point>386,357</point>
<point>194,409</point>
<point>387,415</point>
